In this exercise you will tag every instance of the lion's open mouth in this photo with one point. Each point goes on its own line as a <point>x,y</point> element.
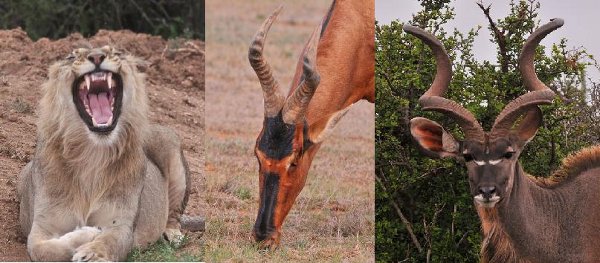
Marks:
<point>97,96</point>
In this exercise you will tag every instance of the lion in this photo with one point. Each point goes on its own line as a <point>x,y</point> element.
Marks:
<point>103,179</point>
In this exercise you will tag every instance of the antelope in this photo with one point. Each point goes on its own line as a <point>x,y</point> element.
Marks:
<point>524,218</point>
<point>339,59</point>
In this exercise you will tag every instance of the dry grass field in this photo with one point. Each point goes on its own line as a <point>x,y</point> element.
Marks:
<point>333,218</point>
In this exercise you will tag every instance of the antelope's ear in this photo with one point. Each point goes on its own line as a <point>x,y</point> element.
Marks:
<point>322,129</point>
<point>433,139</point>
<point>528,126</point>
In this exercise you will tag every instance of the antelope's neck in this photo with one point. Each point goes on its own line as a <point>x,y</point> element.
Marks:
<point>345,59</point>
<point>538,222</point>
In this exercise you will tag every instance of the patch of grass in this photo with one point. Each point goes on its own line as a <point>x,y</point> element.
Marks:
<point>163,251</point>
<point>243,193</point>
<point>21,106</point>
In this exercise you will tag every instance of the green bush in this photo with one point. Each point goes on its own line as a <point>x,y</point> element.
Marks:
<point>431,194</point>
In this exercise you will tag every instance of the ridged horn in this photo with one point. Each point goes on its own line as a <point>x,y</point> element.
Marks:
<point>295,107</point>
<point>433,98</point>
<point>272,94</point>
<point>540,93</point>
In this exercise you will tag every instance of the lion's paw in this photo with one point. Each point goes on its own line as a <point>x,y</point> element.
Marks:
<point>174,236</point>
<point>88,252</point>
<point>81,235</point>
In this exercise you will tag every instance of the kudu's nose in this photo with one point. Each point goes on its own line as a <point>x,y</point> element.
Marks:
<point>96,58</point>
<point>487,191</point>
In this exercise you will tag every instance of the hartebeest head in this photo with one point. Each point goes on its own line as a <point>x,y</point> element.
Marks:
<point>281,147</point>
<point>490,157</point>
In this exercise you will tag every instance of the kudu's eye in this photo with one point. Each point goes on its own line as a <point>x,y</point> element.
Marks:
<point>468,157</point>
<point>508,155</point>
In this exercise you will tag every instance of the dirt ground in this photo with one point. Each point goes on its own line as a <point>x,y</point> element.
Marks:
<point>333,218</point>
<point>175,86</point>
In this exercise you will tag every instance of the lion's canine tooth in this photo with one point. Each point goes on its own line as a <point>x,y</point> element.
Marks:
<point>109,80</point>
<point>87,82</point>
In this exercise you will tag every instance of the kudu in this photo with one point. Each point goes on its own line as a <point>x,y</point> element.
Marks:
<point>524,218</point>
<point>295,126</point>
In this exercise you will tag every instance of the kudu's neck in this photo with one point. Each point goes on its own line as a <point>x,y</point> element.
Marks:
<point>345,59</point>
<point>536,221</point>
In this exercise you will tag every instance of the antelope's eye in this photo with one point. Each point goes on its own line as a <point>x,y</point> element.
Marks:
<point>508,155</point>
<point>468,157</point>
<point>294,162</point>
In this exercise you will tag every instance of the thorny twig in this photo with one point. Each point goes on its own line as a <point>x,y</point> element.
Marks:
<point>402,217</point>
<point>500,36</point>
<point>428,227</point>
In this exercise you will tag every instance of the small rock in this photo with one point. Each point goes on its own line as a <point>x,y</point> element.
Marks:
<point>191,102</point>
<point>193,224</point>
<point>187,83</point>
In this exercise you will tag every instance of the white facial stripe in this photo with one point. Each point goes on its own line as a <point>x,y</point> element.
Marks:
<point>492,162</point>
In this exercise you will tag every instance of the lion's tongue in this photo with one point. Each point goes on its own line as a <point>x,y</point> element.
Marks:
<point>100,107</point>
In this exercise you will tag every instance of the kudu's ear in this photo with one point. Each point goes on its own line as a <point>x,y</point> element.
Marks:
<point>528,126</point>
<point>322,129</point>
<point>433,139</point>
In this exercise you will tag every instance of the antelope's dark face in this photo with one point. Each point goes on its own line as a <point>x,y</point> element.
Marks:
<point>281,150</point>
<point>491,157</point>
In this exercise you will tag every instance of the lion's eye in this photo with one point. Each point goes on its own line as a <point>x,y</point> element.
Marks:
<point>70,57</point>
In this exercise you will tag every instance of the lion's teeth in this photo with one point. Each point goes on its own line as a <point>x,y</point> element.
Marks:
<point>108,123</point>
<point>87,82</point>
<point>110,81</point>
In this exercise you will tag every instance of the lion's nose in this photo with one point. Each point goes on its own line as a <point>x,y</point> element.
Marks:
<point>96,58</point>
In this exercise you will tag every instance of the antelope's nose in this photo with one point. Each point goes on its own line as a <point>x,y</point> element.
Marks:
<point>96,58</point>
<point>487,191</point>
